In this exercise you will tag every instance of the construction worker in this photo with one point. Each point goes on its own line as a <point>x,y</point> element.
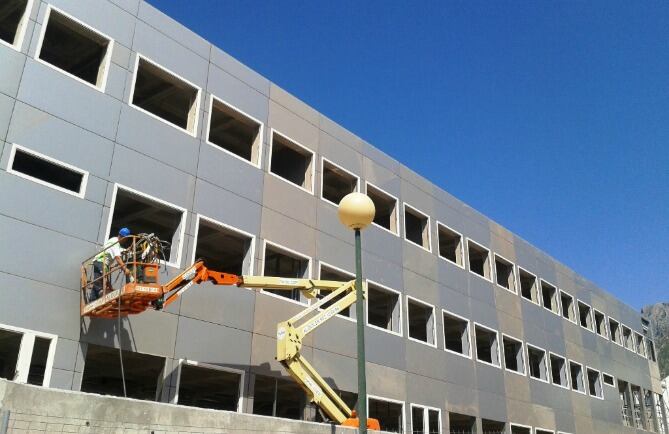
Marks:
<point>103,262</point>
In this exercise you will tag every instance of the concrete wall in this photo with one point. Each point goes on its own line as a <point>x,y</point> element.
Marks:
<point>31,409</point>
<point>45,234</point>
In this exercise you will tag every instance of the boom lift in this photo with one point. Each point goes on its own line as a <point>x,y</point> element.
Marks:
<point>135,297</point>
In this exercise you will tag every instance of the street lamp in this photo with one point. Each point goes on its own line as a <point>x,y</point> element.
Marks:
<point>356,211</point>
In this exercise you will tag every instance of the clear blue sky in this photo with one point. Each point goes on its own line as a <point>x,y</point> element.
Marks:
<point>550,117</point>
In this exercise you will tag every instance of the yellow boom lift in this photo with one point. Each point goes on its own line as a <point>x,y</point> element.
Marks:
<point>144,292</point>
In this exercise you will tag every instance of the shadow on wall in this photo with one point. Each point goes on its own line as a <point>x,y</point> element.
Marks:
<point>266,391</point>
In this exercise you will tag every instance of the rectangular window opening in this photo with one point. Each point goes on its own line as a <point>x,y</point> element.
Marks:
<point>143,214</point>
<point>102,373</point>
<point>278,398</point>
<point>425,420</point>
<point>421,321</point>
<point>614,331</point>
<point>461,423</point>
<point>627,338</point>
<point>75,48</point>
<point>450,245</point>
<point>337,182</point>
<point>207,387</point>
<point>650,350</point>
<point>505,273</point>
<point>282,263</point>
<point>536,358</point>
<point>416,227</point>
<point>594,383</point>
<point>292,162</point>
<point>492,426</point>
<point>235,131</point>
<point>514,360</point>
<point>608,379</point>
<point>479,259</point>
<point>487,349</point>
<point>456,334</point>
<point>638,344</point>
<point>543,431</point>
<point>517,429</point>
<point>222,248</point>
<point>165,95</point>
<point>549,296</point>
<point>625,403</point>
<point>567,305</point>
<point>330,273</point>
<point>38,361</point>
<point>13,17</point>
<point>383,308</point>
<point>576,377</point>
<point>47,171</point>
<point>10,345</point>
<point>386,208</point>
<point>559,375</point>
<point>584,316</point>
<point>528,286</point>
<point>388,413</point>
<point>600,323</point>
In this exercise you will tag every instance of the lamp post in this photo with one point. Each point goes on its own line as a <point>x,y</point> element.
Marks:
<point>356,211</point>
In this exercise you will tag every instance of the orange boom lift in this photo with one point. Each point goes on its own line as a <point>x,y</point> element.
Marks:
<point>144,291</point>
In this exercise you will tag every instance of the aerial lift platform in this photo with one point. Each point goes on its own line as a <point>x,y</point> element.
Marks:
<point>144,292</point>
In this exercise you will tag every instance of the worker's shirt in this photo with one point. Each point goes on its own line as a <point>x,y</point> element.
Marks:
<point>110,250</point>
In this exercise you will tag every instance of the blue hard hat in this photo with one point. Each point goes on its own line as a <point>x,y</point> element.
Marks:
<point>124,232</point>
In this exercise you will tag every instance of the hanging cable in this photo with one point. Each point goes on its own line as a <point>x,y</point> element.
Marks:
<point>120,350</point>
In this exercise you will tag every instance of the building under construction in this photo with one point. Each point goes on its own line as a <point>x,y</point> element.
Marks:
<point>113,115</point>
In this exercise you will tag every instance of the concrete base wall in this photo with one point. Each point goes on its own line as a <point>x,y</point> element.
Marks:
<point>37,409</point>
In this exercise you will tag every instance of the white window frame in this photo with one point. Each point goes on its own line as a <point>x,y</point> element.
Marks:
<point>511,425</point>
<point>573,307</point>
<point>490,260</point>
<point>106,62</point>
<point>513,271</point>
<point>182,224</point>
<point>198,97</point>
<point>590,314</point>
<point>397,209</point>
<point>620,331</point>
<point>425,409</point>
<point>312,188</point>
<point>566,368</point>
<point>182,362</point>
<point>537,285</point>
<point>434,320</point>
<point>546,363</point>
<point>605,324</point>
<point>84,181</point>
<point>429,226</point>
<point>259,139</point>
<point>538,430</point>
<point>357,179</point>
<point>399,299</point>
<point>469,333</point>
<point>557,297</point>
<point>340,270</point>
<point>393,401</point>
<point>600,380</point>
<point>288,251</point>
<point>604,383</point>
<point>24,357</point>
<point>523,350</point>
<point>499,353</point>
<point>462,245</point>
<point>200,217</point>
<point>20,29</point>
<point>653,346</point>
<point>571,385</point>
